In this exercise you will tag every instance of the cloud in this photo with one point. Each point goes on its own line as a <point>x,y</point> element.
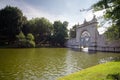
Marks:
<point>72,14</point>
<point>27,9</point>
<point>31,11</point>
<point>101,30</point>
<point>89,15</point>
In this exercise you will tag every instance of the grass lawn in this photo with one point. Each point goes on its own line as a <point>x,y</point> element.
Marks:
<point>106,71</point>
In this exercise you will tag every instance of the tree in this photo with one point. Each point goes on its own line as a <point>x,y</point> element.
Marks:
<point>25,41</point>
<point>15,28</point>
<point>21,40</point>
<point>73,32</point>
<point>111,14</point>
<point>60,33</point>
<point>41,28</point>
<point>20,36</point>
<point>112,33</point>
<point>11,22</point>
<point>30,37</point>
<point>65,25</point>
<point>30,40</point>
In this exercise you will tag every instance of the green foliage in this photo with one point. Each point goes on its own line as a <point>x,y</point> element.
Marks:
<point>73,32</point>
<point>11,22</point>
<point>30,40</point>
<point>25,41</point>
<point>100,5</point>
<point>20,36</point>
<point>111,14</point>
<point>60,33</point>
<point>114,76</point>
<point>40,30</point>
<point>30,43</point>
<point>30,37</point>
<point>112,33</point>
<point>21,40</point>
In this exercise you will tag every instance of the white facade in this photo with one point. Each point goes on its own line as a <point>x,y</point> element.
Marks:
<point>87,35</point>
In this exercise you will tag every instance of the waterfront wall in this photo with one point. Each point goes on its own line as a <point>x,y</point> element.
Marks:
<point>94,41</point>
<point>113,46</point>
<point>104,49</point>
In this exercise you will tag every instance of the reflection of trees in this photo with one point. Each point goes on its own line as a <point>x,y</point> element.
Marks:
<point>71,63</point>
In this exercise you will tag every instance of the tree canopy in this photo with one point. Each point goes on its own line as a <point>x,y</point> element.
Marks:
<point>60,32</point>
<point>73,31</point>
<point>39,27</point>
<point>25,41</point>
<point>11,21</point>
<point>111,14</point>
<point>16,30</point>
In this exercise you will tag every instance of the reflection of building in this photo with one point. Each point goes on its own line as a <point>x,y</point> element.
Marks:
<point>87,35</point>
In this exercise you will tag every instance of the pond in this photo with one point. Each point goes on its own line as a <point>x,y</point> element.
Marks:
<point>47,63</point>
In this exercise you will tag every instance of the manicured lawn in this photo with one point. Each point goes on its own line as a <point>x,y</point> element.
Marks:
<point>106,71</point>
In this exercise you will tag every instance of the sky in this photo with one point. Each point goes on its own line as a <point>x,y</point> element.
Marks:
<point>63,10</point>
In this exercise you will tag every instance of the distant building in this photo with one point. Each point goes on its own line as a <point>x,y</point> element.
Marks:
<point>87,35</point>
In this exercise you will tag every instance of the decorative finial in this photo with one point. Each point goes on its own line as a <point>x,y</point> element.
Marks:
<point>85,21</point>
<point>94,18</point>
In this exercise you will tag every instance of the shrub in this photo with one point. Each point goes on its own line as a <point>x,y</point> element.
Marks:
<point>24,41</point>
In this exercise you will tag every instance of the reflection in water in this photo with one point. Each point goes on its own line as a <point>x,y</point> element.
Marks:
<point>71,63</point>
<point>47,63</point>
<point>85,49</point>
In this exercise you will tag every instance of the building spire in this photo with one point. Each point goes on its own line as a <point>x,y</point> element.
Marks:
<point>85,21</point>
<point>94,18</point>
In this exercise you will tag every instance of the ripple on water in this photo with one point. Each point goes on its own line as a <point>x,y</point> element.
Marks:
<point>108,59</point>
<point>46,64</point>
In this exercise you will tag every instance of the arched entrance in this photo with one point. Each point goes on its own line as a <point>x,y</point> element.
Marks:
<point>85,39</point>
<point>86,35</point>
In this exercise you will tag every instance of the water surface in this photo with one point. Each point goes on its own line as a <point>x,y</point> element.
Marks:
<point>47,63</point>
